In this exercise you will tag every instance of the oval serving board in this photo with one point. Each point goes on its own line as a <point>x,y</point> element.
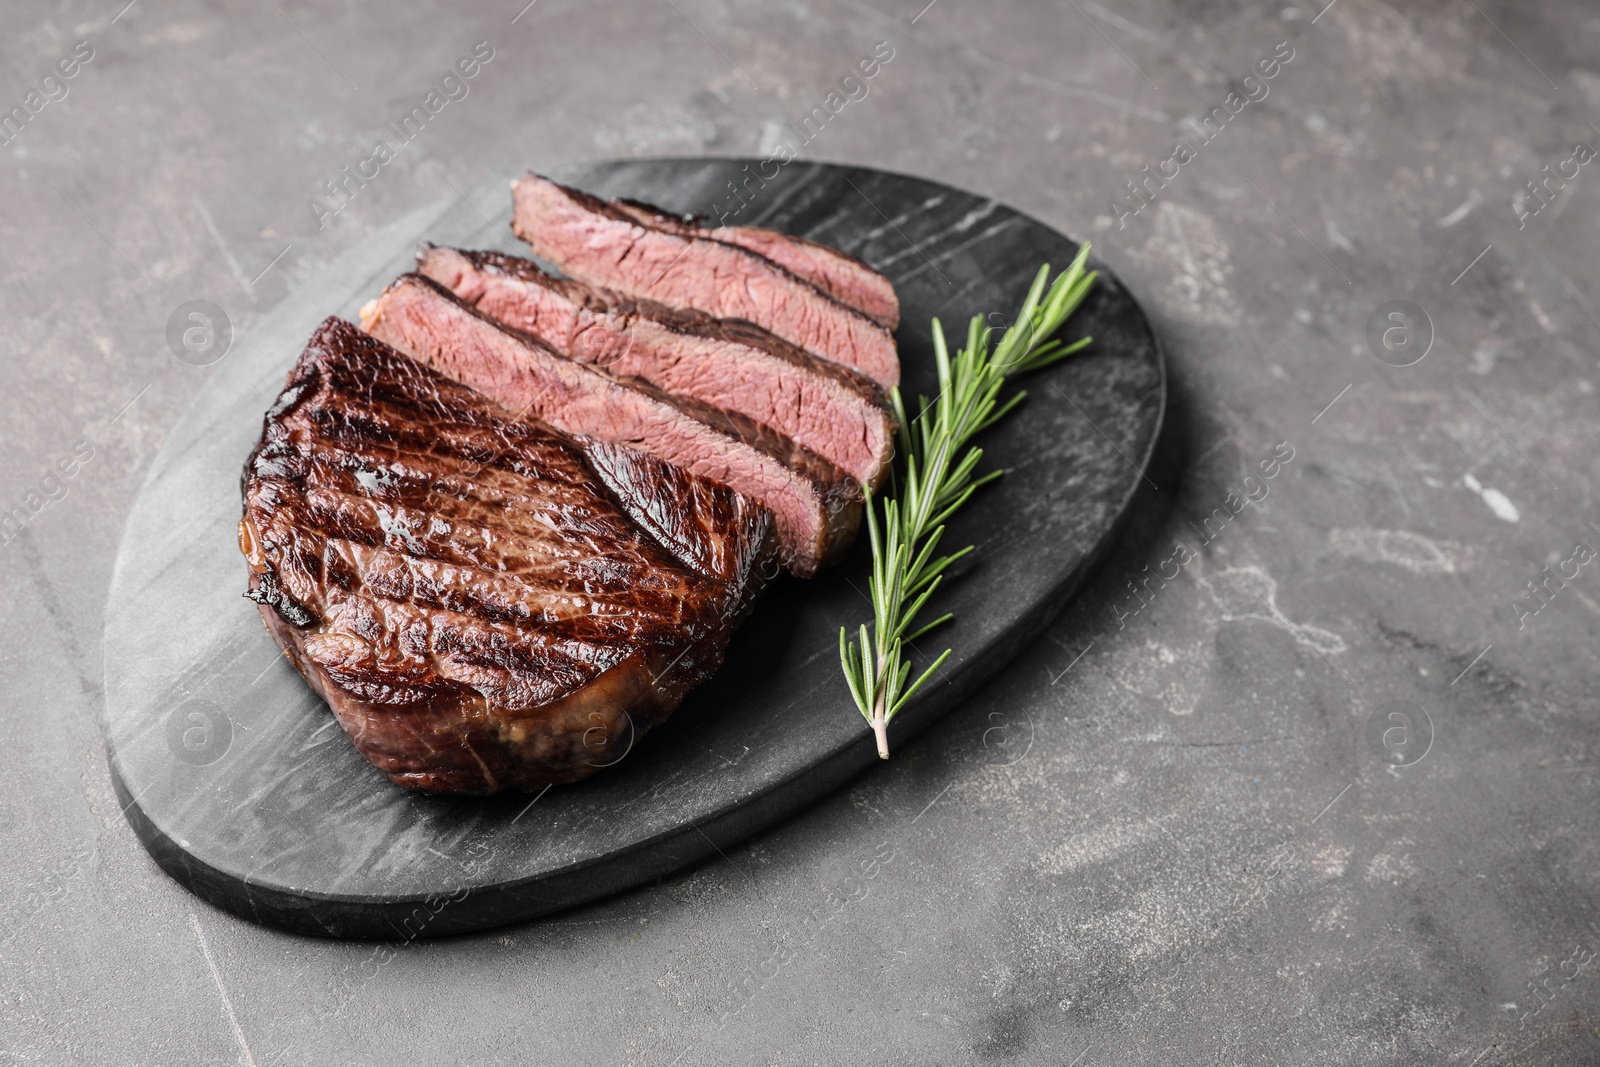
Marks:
<point>243,787</point>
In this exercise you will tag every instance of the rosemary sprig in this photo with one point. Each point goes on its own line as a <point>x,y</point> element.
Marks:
<point>937,479</point>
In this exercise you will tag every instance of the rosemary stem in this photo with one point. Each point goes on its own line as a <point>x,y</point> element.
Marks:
<point>880,707</point>
<point>938,479</point>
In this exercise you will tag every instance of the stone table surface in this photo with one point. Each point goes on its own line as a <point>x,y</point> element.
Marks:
<point>1303,777</point>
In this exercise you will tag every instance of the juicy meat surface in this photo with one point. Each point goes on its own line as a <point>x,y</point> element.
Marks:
<point>727,364</point>
<point>816,505</point>
<point>603,245</point>
<point>485,603</point>
<point>841,276</point>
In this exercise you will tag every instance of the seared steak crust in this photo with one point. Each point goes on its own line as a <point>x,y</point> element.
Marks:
<point>484,602</point>
<point>816,506</point>
<point>728,364</point>
<point>841,276</point>
<point>604,245</point>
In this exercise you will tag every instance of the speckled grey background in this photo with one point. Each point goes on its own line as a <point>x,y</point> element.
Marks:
<point>1187,844</point>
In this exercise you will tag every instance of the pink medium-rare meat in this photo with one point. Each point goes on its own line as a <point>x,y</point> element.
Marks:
<point>484,603</point>
<point>727,364</point>
<point>841,276</point>
<point>817,506</point>
<point>604,246</point>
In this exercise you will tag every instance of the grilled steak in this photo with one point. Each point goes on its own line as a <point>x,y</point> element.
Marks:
<point>725,363</point>
<point>604,245</point>
<point>845,278</point>
<point>485,603</point>
<point>816,506</point>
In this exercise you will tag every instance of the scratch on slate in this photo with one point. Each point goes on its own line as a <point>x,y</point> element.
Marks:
<point>955,250</point>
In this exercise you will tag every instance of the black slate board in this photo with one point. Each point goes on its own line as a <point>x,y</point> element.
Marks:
<point>243,787</point>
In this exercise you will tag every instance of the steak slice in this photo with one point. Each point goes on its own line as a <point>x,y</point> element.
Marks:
<point>603,245</point>
<point>728,364</point>
<point>841,276</point>
<point>476,597</point>
<point>816,506</point>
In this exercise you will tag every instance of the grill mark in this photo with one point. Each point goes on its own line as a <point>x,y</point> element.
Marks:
<point>555,666</point>
<point>336,511</point>
<point>471,518</point>
<point>511,644</point>
<point>394,576</point>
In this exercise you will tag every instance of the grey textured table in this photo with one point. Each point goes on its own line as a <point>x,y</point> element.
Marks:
<point>1190,834</point>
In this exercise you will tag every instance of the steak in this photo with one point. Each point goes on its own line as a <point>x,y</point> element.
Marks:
<point>724,363</point>
<point>815,505</point>
<point>484,602</point>
<point>843,277</point>
<point>603,245</point>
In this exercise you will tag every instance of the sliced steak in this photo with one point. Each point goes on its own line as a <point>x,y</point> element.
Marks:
<point>816,505</point>
<point>726,363</point>
<point>484,603</point>
<point>603,245</point>
<point>843,277</point>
